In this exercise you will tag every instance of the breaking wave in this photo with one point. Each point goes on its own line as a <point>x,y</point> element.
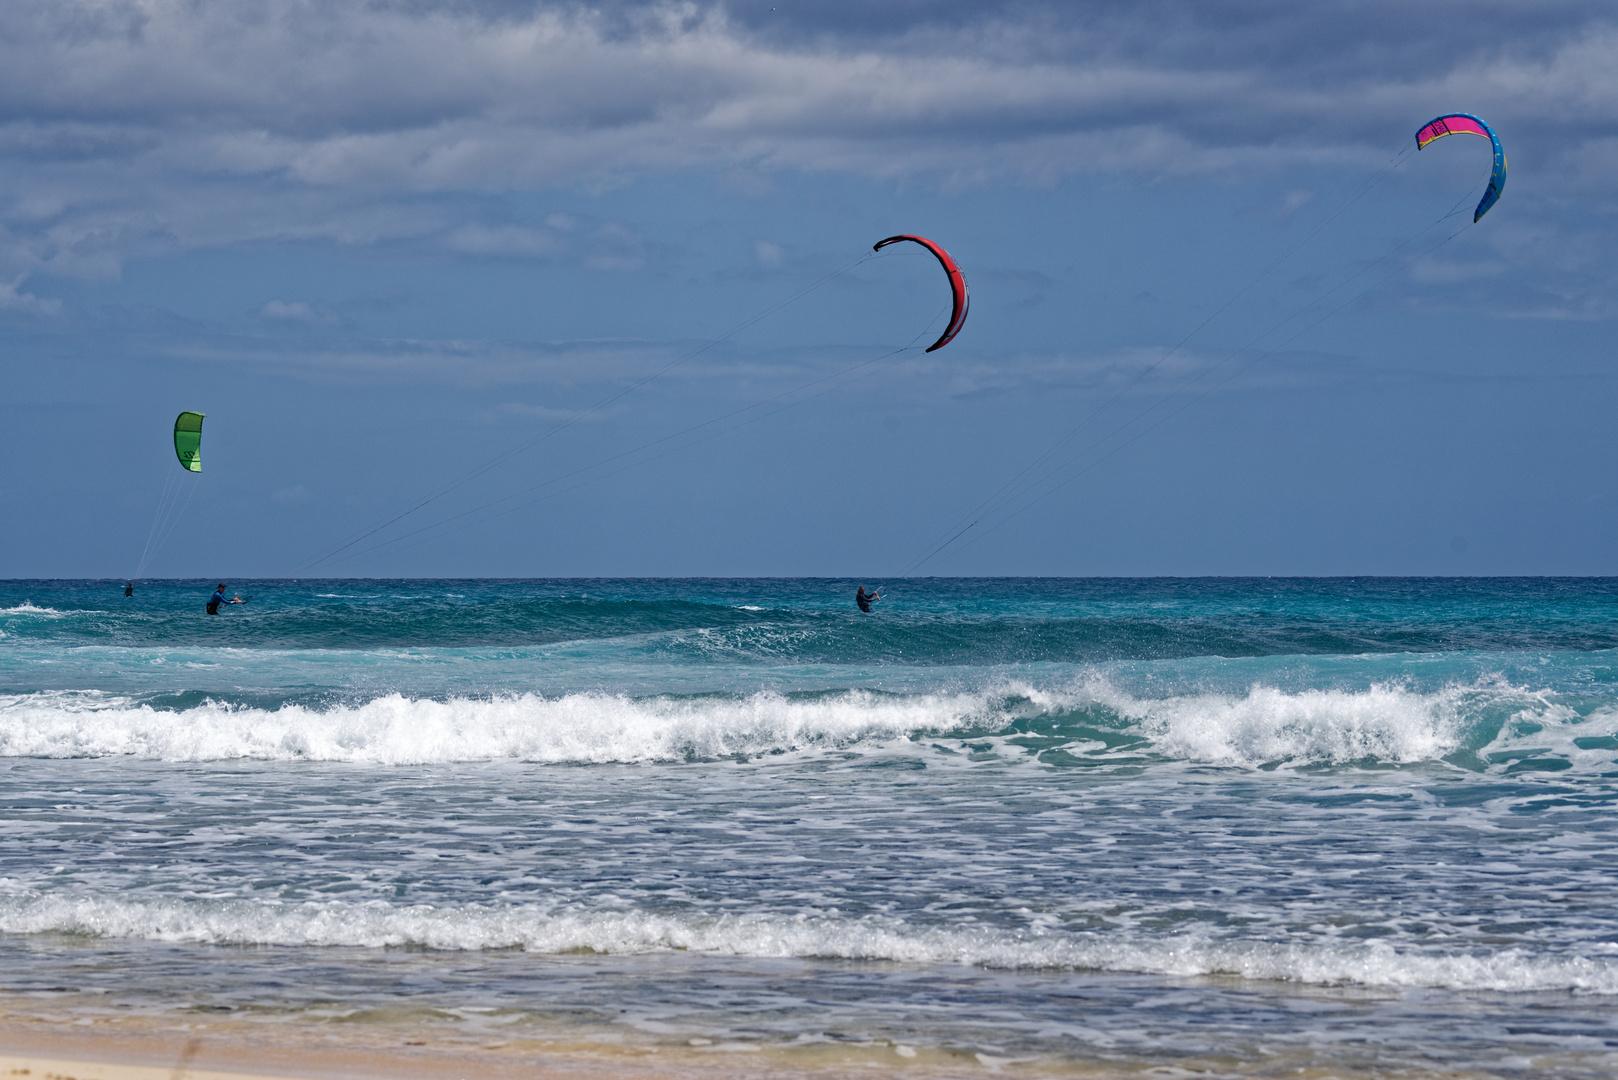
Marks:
<point>27,608</point>
<point>1091,720</point>
<point>535,929</point>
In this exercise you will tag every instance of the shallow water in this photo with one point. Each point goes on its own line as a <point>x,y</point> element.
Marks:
<point>1225,824</point>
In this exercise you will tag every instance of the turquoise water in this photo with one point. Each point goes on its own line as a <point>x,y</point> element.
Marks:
<point>1189,823</point>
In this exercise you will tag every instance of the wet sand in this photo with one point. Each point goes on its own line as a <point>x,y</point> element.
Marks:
<point>31,1050</point>
<point>79,1047</point>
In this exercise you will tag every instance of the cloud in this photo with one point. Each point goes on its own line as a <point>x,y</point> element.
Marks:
<point>298,311</point>
<point>1436,271</point>
<point>22,303</point>
<point>613,246</point>
<point>452,96</point>
<point>513,240</point>
<point>435,361</point>
<point>524,411</point>
<point>135,127</point>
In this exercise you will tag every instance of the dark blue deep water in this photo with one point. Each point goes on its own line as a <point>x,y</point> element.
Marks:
<point>1238,826</point>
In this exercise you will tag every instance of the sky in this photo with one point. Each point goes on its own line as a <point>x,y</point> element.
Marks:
<point>519,289</point>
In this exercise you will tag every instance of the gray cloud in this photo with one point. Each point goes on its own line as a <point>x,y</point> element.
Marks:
<point>134,126</point>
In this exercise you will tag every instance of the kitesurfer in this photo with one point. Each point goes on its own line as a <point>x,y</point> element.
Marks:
<point>129,590</point>
<point>866,599</point>
<point>219,598</point>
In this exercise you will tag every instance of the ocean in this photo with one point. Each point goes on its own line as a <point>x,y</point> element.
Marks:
<point>1225,826</point>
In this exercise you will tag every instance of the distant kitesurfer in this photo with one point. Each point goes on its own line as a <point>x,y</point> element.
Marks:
<point>129,590</point>
<point>219,598</point>
<point>866,599</point>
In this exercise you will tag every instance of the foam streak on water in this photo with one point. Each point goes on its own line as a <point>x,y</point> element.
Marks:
<point>1365,804</point>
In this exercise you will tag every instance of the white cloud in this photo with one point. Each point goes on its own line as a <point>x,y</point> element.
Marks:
<point>23,303</point>
<point>442,361</point>
<point>1294,201</point>
<point>298,311</point>
<point>514,240</point>
<point>1433,271</point>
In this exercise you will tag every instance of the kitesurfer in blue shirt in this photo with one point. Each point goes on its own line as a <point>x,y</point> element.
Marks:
<point>866,599</point>
<point>219,598</point>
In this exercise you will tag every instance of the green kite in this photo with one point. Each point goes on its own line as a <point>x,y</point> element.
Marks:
<point>188,440</point>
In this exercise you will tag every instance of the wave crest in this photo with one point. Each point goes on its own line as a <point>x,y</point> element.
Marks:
<point>376,924</point>
<point>1486,725</point>
<point>396,730</point>
<point>27,608</point>
<point>1382,723</point>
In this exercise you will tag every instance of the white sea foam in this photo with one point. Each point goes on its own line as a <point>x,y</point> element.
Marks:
<point>1261,726</point>
<point>1382,723</point>
<point>589,727</point>
<point>1552,731</point>
<point>27,608</point>
<point>376,924</point>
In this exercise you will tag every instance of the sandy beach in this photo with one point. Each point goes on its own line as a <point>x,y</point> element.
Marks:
<point>79,1047</point>
<point>177,1058</point>
<point>73,1046</point>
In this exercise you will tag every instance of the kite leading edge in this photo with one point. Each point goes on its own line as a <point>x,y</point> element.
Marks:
<point>957,284</point>
<point>1471,125</point>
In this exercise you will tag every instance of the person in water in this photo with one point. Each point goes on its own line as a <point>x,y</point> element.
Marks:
<point>129,590</point>
<point>218,598</point>
<point>866,599</point>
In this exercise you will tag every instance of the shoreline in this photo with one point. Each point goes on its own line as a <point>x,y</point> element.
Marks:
<point>73,1046</point>
<point>187,1060</point>
<point>69,1047</point>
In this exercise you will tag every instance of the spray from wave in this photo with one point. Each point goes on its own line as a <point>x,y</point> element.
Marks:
<point>27,608</point>
<point>1263,726</point>
<point>1382,723</point>
<point>396,730</point>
